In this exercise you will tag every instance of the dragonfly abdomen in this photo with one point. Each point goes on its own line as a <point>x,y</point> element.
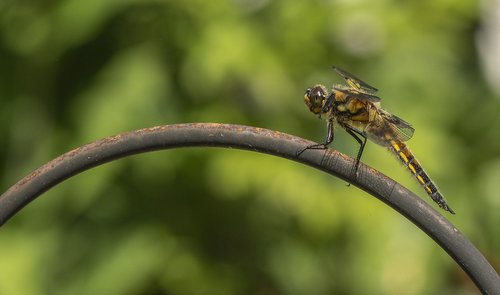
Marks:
<point>406,156</point>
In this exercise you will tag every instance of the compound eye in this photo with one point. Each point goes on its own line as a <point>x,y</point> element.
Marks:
<point>314,98</point>
<point>318,94</point>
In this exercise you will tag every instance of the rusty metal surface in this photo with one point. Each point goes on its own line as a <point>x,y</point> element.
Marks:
<point>264,141</point>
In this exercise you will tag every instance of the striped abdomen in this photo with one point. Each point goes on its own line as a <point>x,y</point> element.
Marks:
<point>405,155</point>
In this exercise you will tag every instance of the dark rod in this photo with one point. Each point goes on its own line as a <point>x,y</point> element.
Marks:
<point>264,141</point>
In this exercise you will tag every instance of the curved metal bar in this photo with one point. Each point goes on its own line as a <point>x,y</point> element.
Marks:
<point>264,141</point>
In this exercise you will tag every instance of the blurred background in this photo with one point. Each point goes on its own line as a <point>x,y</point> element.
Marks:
<point>218,221</point>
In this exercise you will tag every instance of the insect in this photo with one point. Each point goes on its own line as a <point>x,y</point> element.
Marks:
<point>357,109</point>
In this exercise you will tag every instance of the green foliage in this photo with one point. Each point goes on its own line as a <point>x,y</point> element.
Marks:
<point>204,221</point>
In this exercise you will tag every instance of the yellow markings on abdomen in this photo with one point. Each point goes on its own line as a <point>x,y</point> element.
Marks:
<point>405,155</point>
<point>413,170</point>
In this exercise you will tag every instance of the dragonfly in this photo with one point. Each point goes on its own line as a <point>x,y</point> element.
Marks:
<point>356,108</point>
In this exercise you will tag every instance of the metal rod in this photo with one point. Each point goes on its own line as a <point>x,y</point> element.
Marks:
<point>264,141</point>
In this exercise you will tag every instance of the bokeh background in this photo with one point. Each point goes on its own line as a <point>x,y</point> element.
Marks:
<point>218,221</point>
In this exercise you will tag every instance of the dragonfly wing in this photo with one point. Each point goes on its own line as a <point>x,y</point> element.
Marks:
<point>355,82</point>
<point>402,129</point>
<point>384,128</point>
<point>356,94</point>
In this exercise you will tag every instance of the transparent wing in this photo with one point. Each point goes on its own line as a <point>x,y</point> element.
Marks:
<point>358,95</point>
<point>401,129</point>
<point>355,82</point>
<point>385,127</point>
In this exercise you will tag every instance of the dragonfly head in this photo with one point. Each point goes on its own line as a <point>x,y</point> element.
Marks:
<point>315,98</point>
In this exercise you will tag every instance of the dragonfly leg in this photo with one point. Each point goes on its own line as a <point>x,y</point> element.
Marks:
<point>321,146</point>
<point>328,104</point>
<point>362,142</point>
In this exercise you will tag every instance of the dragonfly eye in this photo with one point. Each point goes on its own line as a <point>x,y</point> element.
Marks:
<point>315,97</point>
